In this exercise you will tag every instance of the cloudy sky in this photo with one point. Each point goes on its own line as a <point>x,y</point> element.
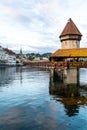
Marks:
<point>35,25</point>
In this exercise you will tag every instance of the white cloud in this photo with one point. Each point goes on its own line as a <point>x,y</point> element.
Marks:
<point>37,24</point>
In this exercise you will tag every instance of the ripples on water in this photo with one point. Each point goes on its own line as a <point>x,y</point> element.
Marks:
<point>31,100</point>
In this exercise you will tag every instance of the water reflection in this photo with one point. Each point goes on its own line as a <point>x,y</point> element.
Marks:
<point>19,70</point>
<point>25,101</point>
<point>67,87</point>
<point>7,75</point>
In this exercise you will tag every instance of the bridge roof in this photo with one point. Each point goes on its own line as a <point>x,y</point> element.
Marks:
<point>76,52</point>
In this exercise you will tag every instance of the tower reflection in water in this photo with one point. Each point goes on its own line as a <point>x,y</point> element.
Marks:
<point>70,88</point>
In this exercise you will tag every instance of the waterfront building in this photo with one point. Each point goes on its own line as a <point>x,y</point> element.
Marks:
<point>11,57</point>
<point>70,44</point>
<point>7,57</point>
<point>3,55</point>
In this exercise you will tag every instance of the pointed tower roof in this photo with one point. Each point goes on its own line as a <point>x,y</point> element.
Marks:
<point>70,29</point>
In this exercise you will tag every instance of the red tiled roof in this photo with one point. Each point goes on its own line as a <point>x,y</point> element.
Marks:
<point>9,51</point>
<point>70,29</point>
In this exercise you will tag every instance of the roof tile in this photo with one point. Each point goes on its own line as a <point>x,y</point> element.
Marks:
<point>70,29</point>
<point>77,52</point>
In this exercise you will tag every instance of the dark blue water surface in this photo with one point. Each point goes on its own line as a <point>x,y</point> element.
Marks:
<point>31,100</point>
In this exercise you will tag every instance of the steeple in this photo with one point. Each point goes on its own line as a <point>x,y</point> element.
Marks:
<point>70,35</point>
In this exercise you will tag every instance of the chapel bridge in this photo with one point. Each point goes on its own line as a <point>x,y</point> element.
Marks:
<point>70,54</point>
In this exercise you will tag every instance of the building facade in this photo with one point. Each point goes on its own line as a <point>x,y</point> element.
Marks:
<point>7,57</point>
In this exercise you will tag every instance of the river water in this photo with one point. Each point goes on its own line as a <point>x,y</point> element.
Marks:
<point>30,99</point>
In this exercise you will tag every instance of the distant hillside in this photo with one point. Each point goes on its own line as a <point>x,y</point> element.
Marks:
<point>32,56</point>
<point>40,55</point>
<point>46,54</point>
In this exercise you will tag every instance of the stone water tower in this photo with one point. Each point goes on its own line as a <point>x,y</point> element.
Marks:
<point>70,36</point>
